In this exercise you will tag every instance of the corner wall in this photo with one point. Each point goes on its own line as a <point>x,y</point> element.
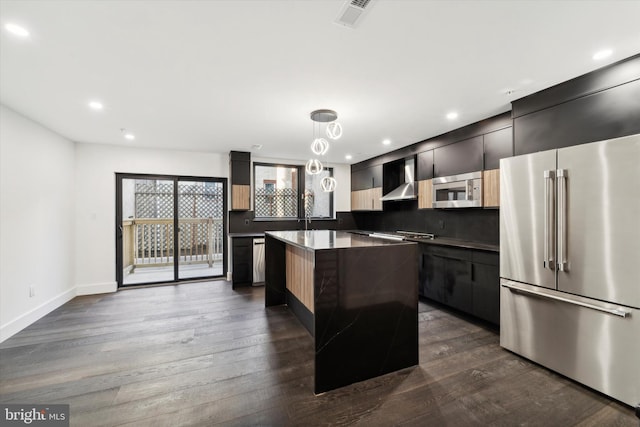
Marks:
<point>95,200</point>
<point>37,230</point>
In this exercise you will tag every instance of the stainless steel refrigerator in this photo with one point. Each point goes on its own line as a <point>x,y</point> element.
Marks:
<point>570,262</point>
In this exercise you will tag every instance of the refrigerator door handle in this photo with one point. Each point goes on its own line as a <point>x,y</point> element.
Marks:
<point>554,295</point>
<point>549,220</point>
<point>562,219</point>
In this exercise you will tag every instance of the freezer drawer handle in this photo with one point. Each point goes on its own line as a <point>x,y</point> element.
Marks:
<point>615,311</point>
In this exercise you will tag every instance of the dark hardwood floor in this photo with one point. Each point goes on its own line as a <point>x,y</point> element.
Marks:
<point>202,354</point>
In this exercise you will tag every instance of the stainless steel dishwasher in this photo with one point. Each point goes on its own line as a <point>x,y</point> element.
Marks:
<point>258,261</point>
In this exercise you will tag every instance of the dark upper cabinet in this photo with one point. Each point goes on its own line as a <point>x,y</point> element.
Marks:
<point>497,145</point>
<point>424,165</point>
<point>240,165</point>
<point>603,115</point>
<point>393,175</point>
<point>365,179</point>
<point>461,157</point>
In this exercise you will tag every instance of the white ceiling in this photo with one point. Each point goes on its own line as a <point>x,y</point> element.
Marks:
<point>224,75</point>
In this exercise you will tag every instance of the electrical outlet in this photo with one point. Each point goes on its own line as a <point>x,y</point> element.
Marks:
<point>441,224</point>
<point>32,291</point>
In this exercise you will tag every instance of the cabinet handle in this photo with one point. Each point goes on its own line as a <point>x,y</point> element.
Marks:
<point>471,270</point>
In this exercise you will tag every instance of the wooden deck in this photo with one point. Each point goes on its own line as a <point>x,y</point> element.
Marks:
<point>165,273</point>
<point>202,354</point>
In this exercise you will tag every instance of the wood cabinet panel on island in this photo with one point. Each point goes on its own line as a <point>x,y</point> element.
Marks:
<point>425,194</point>
<point>359,302</point>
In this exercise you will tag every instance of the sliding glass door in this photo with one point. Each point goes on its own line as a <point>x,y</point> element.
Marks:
<point>169,228</point>
<point>200,228</point>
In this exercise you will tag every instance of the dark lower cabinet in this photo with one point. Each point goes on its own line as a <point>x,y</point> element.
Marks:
<point>464,279</point>
<point>486,292</point>
<point>242,251</point>
<point>431,276</point>
<point>458,291</point>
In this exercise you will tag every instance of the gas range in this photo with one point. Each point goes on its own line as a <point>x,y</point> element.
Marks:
<point>402,235</point>
<point>416,235</point>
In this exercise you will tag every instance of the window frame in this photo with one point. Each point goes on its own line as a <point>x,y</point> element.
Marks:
<point>301,172</point>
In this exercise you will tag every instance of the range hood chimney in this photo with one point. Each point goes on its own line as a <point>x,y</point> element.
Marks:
<point>406,191</point>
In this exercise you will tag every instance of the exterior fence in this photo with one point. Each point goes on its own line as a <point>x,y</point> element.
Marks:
<point>279,202</point>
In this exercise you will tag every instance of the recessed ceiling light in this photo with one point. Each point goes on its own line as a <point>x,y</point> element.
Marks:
<point>452,115</point>
<point>96,105</point>
<point>386,142</point>
<point>16,30</point>
<point>602,54</point>
<point>127,135</point>
<point>348,157</point>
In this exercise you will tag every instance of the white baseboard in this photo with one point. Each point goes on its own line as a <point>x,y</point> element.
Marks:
<point>97,288</point>
<point>16,325</point>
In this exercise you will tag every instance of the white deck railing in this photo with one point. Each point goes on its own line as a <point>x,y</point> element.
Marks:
<point>149,242</point>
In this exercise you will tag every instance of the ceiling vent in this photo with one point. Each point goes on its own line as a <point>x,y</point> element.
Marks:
<point>351,12</point>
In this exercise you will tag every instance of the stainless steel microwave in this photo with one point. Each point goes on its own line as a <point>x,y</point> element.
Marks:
<point>458,191</point>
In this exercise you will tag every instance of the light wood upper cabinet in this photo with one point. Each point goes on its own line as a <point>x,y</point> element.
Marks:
<point>376,195</point>
<point>491,188</point>
<point>366,200</point>
<point>240,197</point>
<point>425,194</point>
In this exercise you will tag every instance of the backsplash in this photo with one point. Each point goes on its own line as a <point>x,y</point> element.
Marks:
<point>243,222</point>
<point>477,225</point>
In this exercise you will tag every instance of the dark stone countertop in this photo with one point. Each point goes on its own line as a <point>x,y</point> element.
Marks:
<point>330,239</point>
<point>443,241</point>
<point>459,243</point>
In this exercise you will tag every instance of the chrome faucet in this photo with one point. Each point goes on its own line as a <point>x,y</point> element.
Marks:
<point>307,198</point>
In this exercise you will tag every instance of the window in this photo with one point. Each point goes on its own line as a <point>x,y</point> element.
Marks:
<point>286,191</point>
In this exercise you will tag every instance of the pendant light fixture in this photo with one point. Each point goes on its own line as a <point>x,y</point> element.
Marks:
<point>313,167</point>
<point>334,130</point>
<point>320,146</point>
<point>328,184</point>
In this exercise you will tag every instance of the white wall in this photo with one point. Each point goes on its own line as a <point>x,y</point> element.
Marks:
<point>57,206</point>
<point>97,165</point>
<point>37,229</point>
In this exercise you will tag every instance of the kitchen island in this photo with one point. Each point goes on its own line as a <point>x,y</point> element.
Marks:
<point>356,295</point>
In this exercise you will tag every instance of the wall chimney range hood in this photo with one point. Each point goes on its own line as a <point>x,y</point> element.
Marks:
<point>407,190</point>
